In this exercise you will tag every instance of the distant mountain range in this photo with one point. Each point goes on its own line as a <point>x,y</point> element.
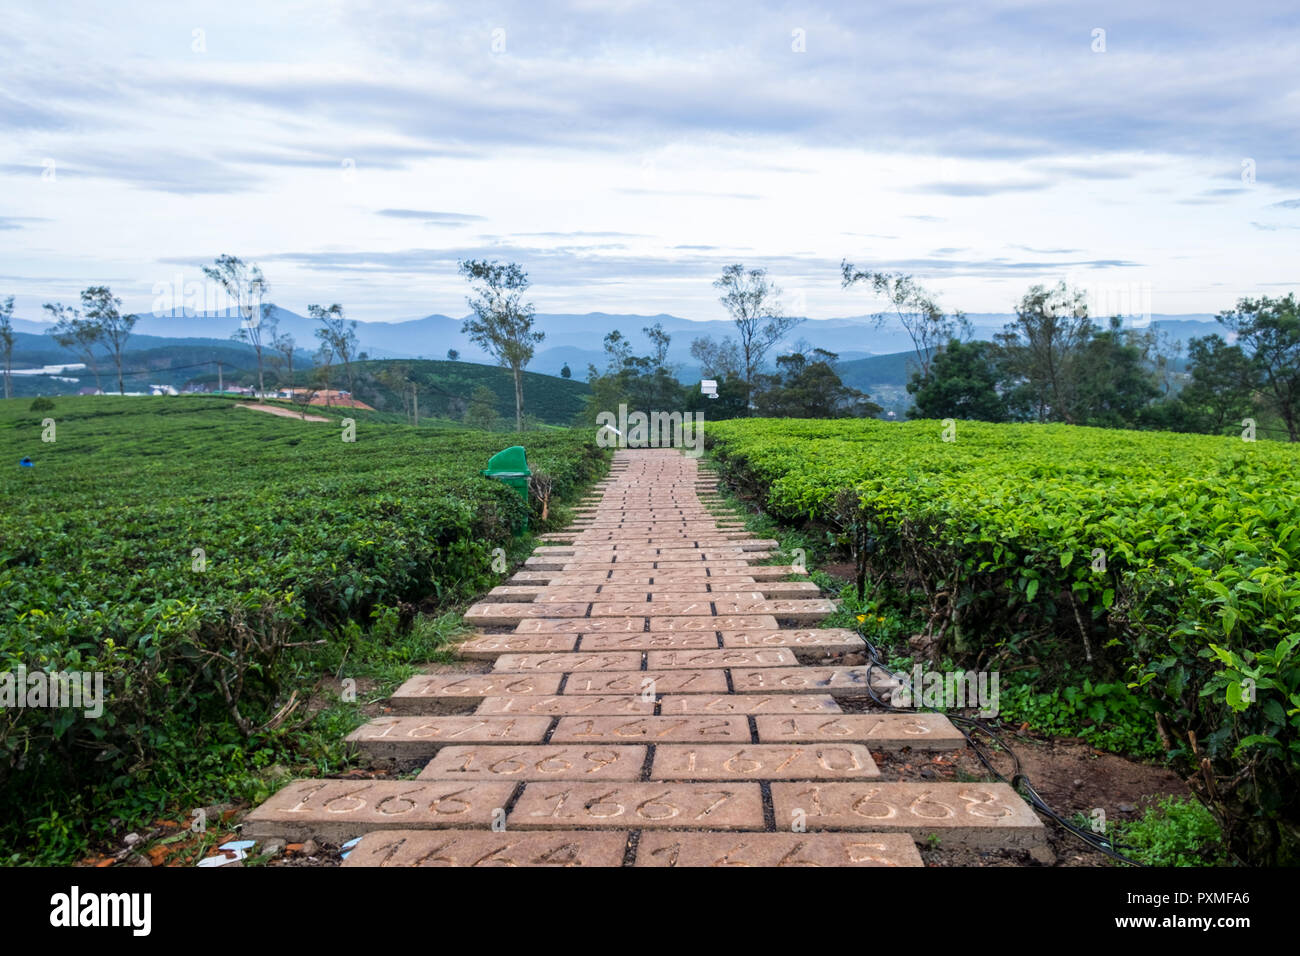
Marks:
<point>575,340</point>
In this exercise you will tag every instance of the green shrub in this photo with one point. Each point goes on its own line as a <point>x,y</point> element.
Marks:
<point>1169,563</point>
<point>184,549</point>
<point>1176,832</point>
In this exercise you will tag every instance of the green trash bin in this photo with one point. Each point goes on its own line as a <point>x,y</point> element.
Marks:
<point>510,466</point>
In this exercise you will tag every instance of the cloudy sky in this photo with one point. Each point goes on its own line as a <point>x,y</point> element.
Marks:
<point>624,152</point>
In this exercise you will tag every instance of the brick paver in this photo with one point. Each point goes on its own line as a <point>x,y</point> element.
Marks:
<point>656,698</point>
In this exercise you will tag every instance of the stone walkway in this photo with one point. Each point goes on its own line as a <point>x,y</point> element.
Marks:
<point>648,705</point>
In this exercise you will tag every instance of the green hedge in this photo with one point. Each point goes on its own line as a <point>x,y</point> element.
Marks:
<point>1199,599</point>
<point>301,533</point>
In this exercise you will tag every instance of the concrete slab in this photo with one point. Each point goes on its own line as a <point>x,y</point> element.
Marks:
<point>656,730</point>
<point>492,645</point>
<point>487,848</point>
<point>544,762</point>
<point>829,640</point>
<point>720,657</point>
<point>616,704</point>
<point>660,848</point>
<point>749,704</point>
<point>849,681</point>
<point>424,692</point>
<point>647,641</point>
<point>338,810</point>
<point>719,623</point>
<point>417,738</point>
<point>882,731</point>
<point>763,762</point>
<point>568,663</point>
<point>642,806</point>
<point>960,814</point>
<point>649,683</point>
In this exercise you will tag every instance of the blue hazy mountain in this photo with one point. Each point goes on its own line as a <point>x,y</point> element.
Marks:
<point>573,339</point>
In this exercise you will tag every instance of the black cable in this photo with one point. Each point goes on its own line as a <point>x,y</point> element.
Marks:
<point>1019,781</point>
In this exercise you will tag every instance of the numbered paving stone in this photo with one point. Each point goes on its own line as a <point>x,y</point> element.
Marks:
<point>655,730</point>
<point>650,683</point>
<point>337,810</point>
<point>763,762</point>
<point>659,848</point>
<point>761,572</point>
<point>718,657</point>
<point>567,663</point>
<point>489,615</point>
<point>419,738</point>
<point>427,693</point>
<point>649,641</point>
<point>559,762</point>
<point>963,814</point>
<point>726,806</point>
<point>590,625</point>
<point>882,731</point>
<point>620,705</point>
<point>492,645</point>
<point>552,595</point>
<point>479,848</point>
<point>749,704</point>
<point>720,623</point>
<point>828,640</point>
<point>793,610</point>
<point>847,681</point>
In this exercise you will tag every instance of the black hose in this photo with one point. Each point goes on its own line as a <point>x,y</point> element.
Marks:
<point>1019,781</point>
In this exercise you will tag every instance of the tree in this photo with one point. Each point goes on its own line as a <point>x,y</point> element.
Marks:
<point>7,340</point>
<point>452,355</point>
<point>396,377</point>
<point>1114,383</point>
<point>102,307</point>
<point>318,380</point>
<point>285,345</point>
<point>566,372</point>
<point>246,285</point>
<point>915,309</point>
<point>1041,349</point>
<point>1268,330</point>
<point>753,304</point>
<point>482,410</point>
<point>807,386</point>
<point>658,387</point>
<point>72,331</point>
<point>721,362</point>
<point>963,383</point>
<point>502,324</point>
<point>717,359</point>
<point>1222,388</point>
<point>336,334</point>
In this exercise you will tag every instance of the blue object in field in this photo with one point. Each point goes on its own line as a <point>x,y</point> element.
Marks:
<point>27,463</point>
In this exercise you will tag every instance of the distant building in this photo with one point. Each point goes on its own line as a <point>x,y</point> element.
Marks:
<point>162,390</point>
<point>90,390</point>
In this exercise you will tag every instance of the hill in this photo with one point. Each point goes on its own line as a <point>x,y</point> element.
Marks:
<point>578,339</point>
<point>445,388</point>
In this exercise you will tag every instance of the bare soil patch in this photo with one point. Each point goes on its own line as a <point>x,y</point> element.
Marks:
<point>283,412</point>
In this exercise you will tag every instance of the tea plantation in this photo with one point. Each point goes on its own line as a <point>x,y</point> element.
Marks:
<point>1168,562</point>
<point>199,555</point>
